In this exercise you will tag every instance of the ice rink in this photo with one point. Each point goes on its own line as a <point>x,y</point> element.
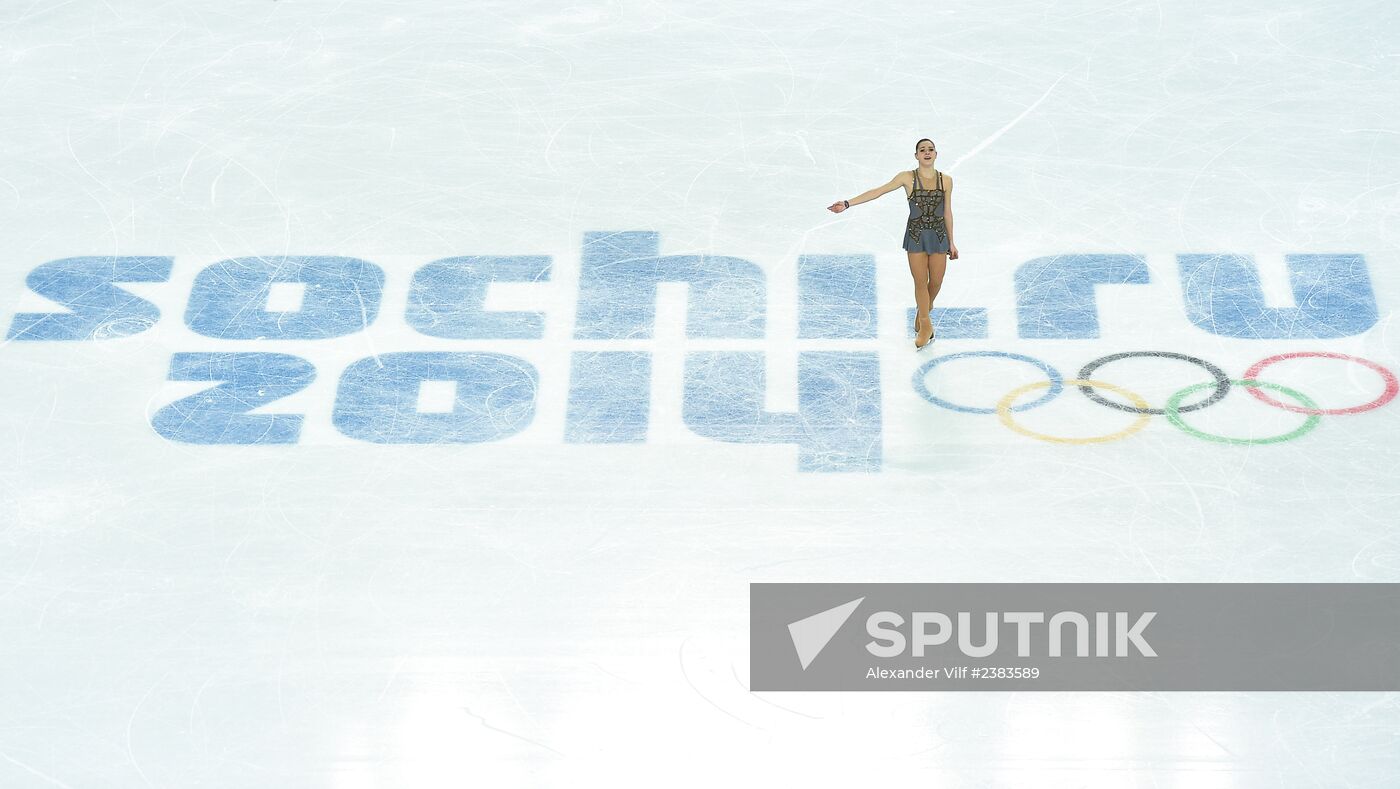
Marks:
<point>404,395</point>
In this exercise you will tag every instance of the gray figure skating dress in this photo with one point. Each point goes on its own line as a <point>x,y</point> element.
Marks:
<point>926,231</point>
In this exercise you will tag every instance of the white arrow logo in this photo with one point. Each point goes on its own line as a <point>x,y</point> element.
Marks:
<point>811,635</point>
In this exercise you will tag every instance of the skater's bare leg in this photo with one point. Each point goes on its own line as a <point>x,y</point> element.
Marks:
<point>937,267</point>
<point>919,269</point>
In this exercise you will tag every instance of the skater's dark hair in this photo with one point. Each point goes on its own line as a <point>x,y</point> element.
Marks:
<point>927,140</point>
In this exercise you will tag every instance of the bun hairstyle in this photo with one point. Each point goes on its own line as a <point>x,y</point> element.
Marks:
<point>927,140</point>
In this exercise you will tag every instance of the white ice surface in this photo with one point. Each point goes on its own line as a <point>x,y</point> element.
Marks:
<point>534,613</point>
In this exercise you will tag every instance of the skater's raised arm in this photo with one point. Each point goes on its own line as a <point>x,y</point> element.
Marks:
<point>895,182</point>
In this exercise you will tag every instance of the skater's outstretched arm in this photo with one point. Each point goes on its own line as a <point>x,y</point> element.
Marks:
<point>895,182</point>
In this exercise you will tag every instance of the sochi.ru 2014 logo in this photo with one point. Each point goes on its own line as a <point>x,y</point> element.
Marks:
<point>838,422</point>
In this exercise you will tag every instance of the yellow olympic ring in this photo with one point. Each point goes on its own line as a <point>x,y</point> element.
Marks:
<point>1004,412</point>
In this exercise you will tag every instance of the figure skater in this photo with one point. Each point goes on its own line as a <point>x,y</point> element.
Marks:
<point>928,236</point>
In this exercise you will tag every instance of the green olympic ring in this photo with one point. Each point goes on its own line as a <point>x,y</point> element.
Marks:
<point>1173,412</point>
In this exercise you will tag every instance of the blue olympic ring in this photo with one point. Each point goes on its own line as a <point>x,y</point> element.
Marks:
<point>1057,381</point>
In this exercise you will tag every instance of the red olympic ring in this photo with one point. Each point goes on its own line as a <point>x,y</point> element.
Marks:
<point>1392,386</point>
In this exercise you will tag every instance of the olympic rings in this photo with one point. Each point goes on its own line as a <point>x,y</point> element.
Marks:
<point>1174,414</point>
<point>1004,412</point>
<point>1391,385</point>
<point>1173,408</point>
<point>1222,381</point>
<point>1056,383</point>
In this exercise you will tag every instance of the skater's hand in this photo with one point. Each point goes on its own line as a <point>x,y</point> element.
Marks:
<point>838,206</point>
<point>952,251</point>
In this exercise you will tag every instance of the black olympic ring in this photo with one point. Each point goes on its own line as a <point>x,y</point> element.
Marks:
<point>1222,381</point>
